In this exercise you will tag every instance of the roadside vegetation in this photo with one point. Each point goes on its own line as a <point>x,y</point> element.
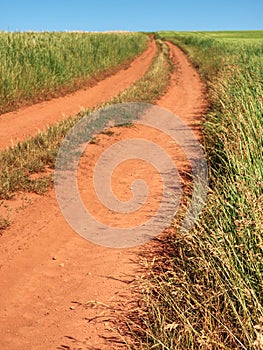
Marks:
<point>37,66</point>
<point>204,289</point>
<point>37,155</point>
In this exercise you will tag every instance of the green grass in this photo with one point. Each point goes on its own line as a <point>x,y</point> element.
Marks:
<point>204,290</point>
<point>237,35</point>
<point>38,154</point>
<point>37,66</point>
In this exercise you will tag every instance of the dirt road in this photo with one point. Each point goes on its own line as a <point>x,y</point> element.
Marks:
<point>48,274</point>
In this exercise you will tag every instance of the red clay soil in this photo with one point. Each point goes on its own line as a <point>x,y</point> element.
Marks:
<point>18,125</point>
<point>49,274</point>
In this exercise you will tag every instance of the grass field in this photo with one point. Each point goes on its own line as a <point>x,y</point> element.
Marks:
<point>236,35</point>
<point>206,292</point>
<point>37,66</point>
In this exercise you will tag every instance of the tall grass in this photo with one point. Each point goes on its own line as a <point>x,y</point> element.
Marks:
<point>36,66</point>
<point>205,290</point>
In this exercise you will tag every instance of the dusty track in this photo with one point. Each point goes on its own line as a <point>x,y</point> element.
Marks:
<point>16,126</point>
<point>48,273</point>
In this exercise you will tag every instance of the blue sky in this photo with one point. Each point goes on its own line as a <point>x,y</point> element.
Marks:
<point>133,15</point>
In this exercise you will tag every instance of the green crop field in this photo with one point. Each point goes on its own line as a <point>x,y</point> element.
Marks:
<point>237,35</point>
<point>224,35</point>
<point>209,293</point>
<point>37,66</point>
